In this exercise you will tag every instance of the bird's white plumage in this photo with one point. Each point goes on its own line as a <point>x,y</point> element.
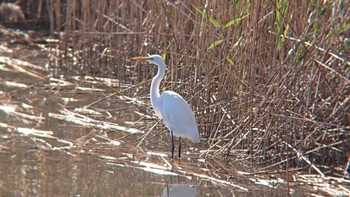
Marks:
<point>178,116</point>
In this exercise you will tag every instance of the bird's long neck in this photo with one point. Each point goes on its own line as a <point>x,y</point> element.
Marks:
<point>155,85</point>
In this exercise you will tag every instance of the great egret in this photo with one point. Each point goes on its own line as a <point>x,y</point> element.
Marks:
<point>171,107</point>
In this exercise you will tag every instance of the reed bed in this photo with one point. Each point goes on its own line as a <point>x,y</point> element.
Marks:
<point>268,80</point>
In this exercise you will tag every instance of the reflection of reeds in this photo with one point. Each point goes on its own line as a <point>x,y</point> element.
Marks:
<point>275,83</point>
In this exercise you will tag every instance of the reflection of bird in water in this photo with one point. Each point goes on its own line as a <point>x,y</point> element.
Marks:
<point>174,190</point>
<point>171,107</point>
<point>10,12</point>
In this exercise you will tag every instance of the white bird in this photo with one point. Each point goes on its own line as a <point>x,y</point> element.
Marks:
<point>171,107</point>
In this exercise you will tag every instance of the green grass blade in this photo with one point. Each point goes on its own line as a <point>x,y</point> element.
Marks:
<point>214,22</point>
<point>214,44</point>
<point>206,16</point>
<point>229,61</point>
<point>344,28</point>
<point>235,21</point>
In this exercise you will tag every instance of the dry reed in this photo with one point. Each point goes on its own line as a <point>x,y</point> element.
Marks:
<point>275,83</point>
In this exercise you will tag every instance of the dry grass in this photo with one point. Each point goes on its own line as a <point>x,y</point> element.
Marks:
<point>277,86</point>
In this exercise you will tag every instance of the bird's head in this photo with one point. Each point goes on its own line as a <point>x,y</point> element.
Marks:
<point>154,59</point>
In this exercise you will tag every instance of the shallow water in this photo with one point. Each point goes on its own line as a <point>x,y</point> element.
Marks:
<point>51,145</point>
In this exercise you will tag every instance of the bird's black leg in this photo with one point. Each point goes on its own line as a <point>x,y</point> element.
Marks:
<point>172,145</point>
<point>179,147</point>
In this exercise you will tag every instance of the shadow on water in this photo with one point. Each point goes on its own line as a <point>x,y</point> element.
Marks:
<point>50,144</point>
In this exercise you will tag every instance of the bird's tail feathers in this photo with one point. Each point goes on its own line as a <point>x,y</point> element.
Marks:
<point>193,135</point>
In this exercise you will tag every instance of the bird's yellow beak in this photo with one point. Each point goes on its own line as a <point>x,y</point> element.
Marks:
<point>141,58</point>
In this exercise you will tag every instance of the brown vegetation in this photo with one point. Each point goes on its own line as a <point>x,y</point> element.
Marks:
<point>274,83</point>
<point>10,13</point>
